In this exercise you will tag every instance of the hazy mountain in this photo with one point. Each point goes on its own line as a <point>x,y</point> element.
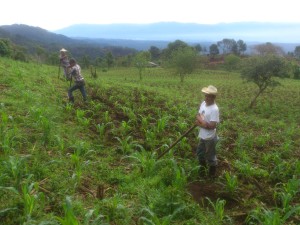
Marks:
<point>31,37</point>
<point>170,31</point>
<point>121,39</point>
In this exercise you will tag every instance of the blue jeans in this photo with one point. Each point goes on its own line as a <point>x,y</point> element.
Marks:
<point>206,151</point>
<point>78,85</point>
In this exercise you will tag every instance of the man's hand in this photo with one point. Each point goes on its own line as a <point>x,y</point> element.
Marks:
<point>200,121</point>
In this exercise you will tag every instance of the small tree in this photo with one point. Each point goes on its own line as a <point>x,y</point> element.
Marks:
<point>297,52</point>
<point>109,58</point>
<point>140,61</point>
<point>262,71</point>
<point>231,62</point>
<point>268,49</point>
<point>183,60</point>
<point>214,50</point>
<point>5,48</point>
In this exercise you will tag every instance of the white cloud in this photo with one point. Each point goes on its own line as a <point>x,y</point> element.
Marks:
<point>55,14</point>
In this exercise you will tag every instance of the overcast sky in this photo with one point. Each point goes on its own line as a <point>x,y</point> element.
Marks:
<point>52,15</point>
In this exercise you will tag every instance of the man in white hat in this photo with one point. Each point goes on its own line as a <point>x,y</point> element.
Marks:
<point>64,61</point>
<point>208,118</point>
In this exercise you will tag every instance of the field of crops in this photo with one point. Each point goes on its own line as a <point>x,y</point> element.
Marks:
<point>97,162</point>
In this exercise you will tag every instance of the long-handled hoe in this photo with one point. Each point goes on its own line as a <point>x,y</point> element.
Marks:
<point>179,139</point>
<point>58,75</point>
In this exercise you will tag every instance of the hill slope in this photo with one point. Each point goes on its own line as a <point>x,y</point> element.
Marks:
<point>96,162</point>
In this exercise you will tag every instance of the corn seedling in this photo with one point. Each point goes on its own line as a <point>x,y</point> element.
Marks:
<point>81,119</point>
<point>152,218</point>
<point>101,128</point>
<point>29,199</point>
<point>145,160</point>
<point>231,183</point>
<point>7,133</point>
<point>161,124</point>
<point>247,170</point>
<point>127,145</point>
<point>45,124</point>
<point>99,220</point>
<point>107,117</point>
<point>69,107</point>
<point>145,123</point>
<point>59,142</point>
<point>69,217</point>
<point>150,137</point>
<point>114,208</point>
<point>218,209</point>
<point>15,168</point>
<point>125,127</point>
<point>267,216</point>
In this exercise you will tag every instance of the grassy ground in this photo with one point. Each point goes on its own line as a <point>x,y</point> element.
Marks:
<point>96,162</point>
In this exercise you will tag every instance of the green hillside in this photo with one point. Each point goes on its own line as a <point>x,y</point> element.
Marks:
<point>96,162</point>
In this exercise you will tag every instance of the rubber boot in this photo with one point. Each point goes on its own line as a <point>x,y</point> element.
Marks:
<point>71,100</point>
<point>212,171</point>
<point>202,169</point>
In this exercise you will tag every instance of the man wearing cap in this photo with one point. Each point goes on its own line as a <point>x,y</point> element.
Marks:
<point>208,118</point>
<point>64,61</point>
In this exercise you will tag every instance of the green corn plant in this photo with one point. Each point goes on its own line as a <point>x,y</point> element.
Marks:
<point>247,170</point>
<point>269,216</point>
<point>292,186</point>
<point>180,178</point>
<point>114,209</point>
<point>145,160</point>
<point>7,133</point>
<point>231,184</point>
<point>81,118</point>
<point>182,125</point>
<point>29,199</point>
<point>96,106</point>
<point>101,129</point>
<point>145,123</point>
<point>286,192</point>
<point>99,220</point>
<point>59,141</point>
<point>76,161</point>
<point>82,148</point>
<point>69,107</point>
<point>15,168</point>
<point>144,99</point>
<point>152,218</point>
<point>127,145</point>
<point>69,217</point>
<point>184,145</point>
<point>219,208</point>
<point>279,171</point>
<point>125,127</point>
<point>46,126</point>
<point>150,137</point>
<point>107,117</point>
<point>162,124</point>
<point>129,112</point>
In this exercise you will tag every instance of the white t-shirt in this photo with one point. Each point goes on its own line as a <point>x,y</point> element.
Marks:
<point>210,113</point>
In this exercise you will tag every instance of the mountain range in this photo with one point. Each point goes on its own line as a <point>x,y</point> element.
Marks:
<point>170,31</point>
<point>87,37</point>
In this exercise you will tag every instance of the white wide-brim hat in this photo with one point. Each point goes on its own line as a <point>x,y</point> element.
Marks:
<point>210,90</point>
<point>63,50</point>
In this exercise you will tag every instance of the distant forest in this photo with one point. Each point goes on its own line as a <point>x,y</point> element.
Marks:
<point>22,42</point>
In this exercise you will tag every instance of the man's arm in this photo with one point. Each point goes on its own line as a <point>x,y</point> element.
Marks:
<point>204,124</point>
